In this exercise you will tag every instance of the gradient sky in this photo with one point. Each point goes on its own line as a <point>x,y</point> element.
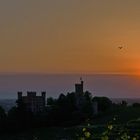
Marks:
<point>70,36</point>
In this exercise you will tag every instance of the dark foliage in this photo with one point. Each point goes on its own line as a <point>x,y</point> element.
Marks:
<point>70,109</point>
<point>66,110</point>
<point>136,105</point>
<point>104,103</point>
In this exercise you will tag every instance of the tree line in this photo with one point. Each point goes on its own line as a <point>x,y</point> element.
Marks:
<point>66,110</point>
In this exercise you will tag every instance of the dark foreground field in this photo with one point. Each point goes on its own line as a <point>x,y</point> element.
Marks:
<point>43,134</point>
<point>127,118</point>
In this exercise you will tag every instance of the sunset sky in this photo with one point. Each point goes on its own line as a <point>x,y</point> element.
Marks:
<point>70,36</point>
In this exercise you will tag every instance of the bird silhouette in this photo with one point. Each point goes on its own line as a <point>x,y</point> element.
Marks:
<point>120,47</point>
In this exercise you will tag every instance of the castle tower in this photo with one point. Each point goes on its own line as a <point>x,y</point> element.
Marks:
<point>33,102</point>
<point>79,87</point>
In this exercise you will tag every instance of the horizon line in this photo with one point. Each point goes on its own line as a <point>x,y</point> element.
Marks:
<point>67,73</point>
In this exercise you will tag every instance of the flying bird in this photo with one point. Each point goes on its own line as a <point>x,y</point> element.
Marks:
<point>120,47</point>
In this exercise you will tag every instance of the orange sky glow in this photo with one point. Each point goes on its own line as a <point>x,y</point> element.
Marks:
<point>70,36</point>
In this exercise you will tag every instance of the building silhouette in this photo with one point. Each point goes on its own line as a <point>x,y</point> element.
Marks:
<point>79,94</point>
<point>79,87</point>
<point>80,98</point>
<point>32,102</point>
